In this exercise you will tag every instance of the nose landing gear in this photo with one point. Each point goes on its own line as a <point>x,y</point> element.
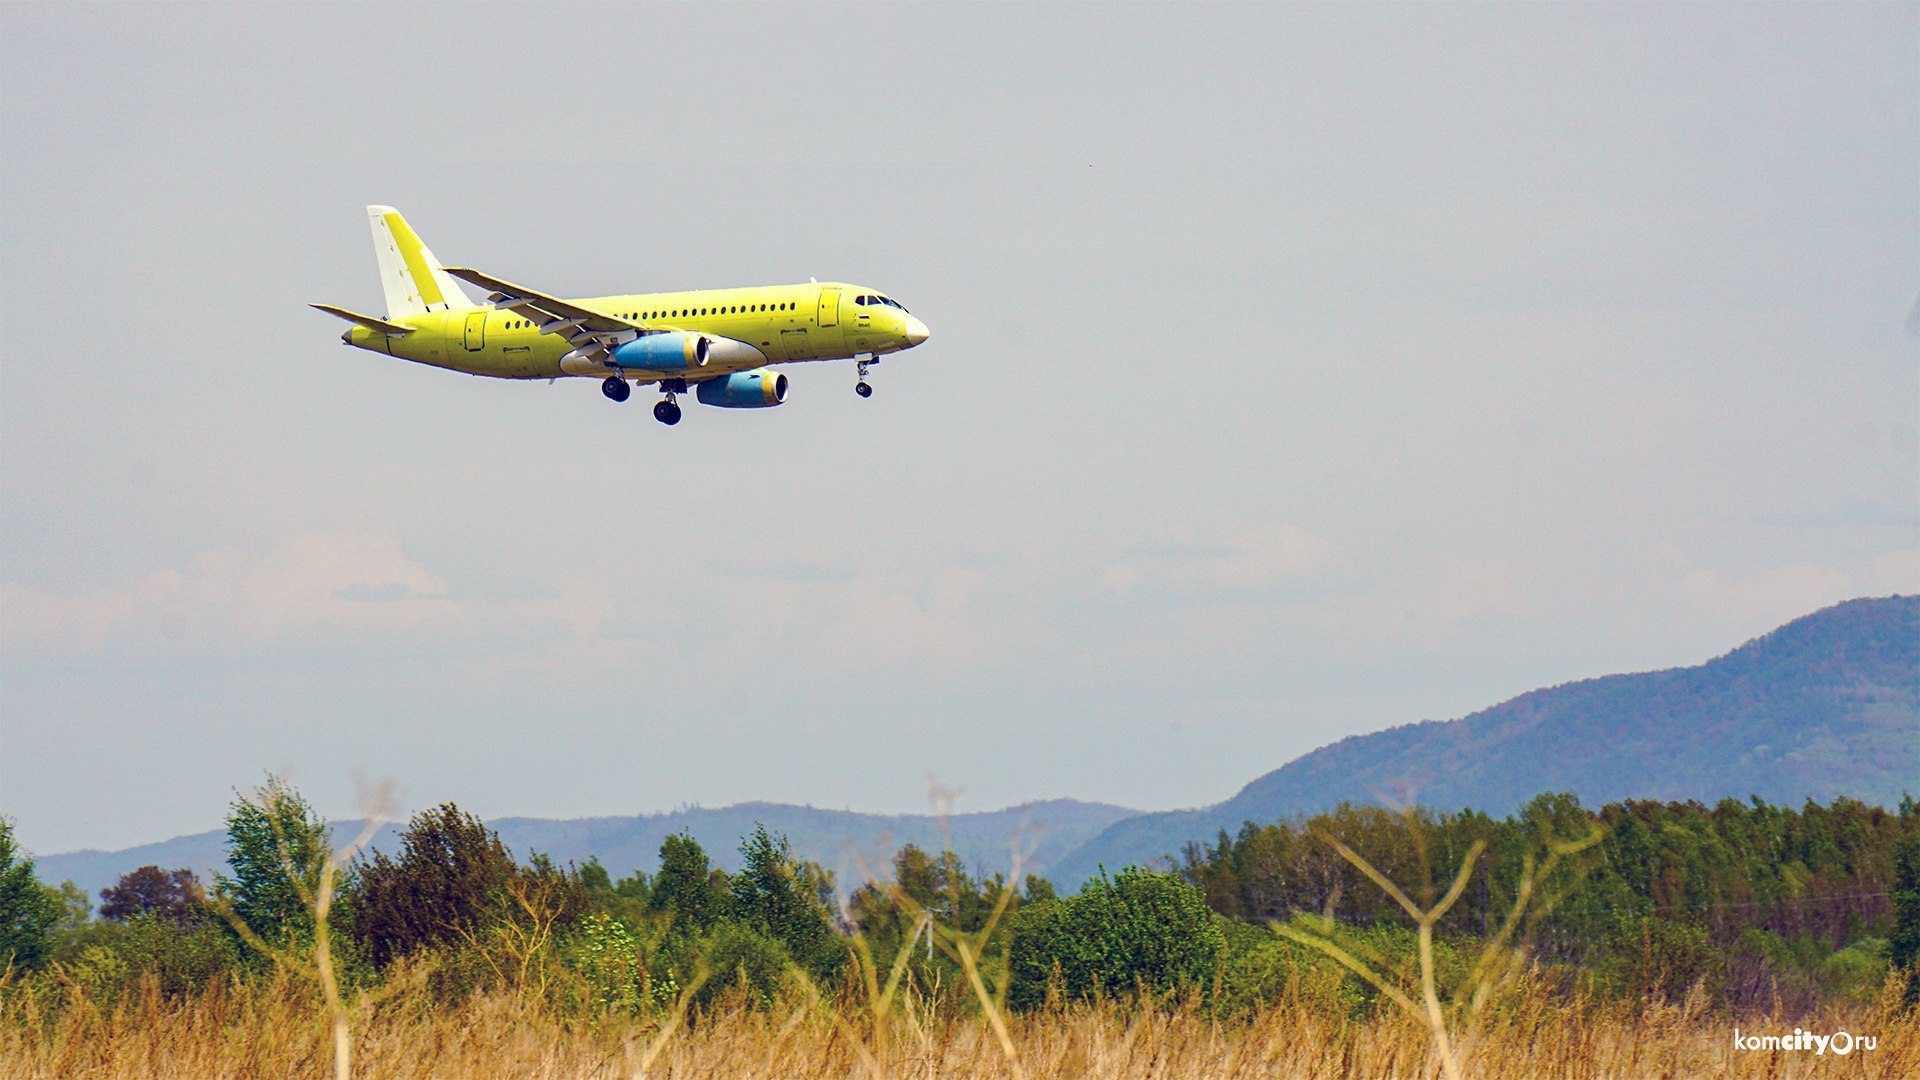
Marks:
<point>616,388</point>
<point>860,370</point>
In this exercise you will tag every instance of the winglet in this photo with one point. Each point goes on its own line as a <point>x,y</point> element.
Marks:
<point>378,326</point>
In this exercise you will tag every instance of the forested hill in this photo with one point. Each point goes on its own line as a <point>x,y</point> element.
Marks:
<point>1827,705</point>
<point>840,840</point>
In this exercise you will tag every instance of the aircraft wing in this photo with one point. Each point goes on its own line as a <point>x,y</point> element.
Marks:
<point>593,334</point>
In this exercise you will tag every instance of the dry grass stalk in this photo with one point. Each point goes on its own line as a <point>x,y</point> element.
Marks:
<point>1487,973</point>
<point>273,1028</point>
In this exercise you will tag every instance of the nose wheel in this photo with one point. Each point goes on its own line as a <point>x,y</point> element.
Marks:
<point>616,388</point>
<point>667,411</point>
<point>860,370</point>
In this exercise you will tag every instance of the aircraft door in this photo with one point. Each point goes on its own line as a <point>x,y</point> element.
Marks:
<point>476,330</point>
<point>795,344</point>
<point>829,308</point>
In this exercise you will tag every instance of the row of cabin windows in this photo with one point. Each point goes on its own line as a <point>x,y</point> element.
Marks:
<point>682,313</point>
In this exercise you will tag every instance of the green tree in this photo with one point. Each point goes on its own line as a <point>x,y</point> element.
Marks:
<point>782,896</point>
<point>1136,929</point>
<point>625,900</point>
<point>452,869</point>
<point>687,887</point>
<point>1903,949</point>
<point>174,895</point>
<point>277,847</point>
<point>28,909</point>
<point>76,910</point>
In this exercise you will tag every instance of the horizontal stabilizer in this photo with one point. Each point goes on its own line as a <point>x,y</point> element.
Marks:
<point>378,326</point>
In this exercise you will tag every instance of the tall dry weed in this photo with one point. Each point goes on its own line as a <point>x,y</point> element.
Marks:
<point>279,1027</point>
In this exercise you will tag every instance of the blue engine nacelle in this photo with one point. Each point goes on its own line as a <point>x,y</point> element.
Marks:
<point>756,389</point>
<point>673,351</point>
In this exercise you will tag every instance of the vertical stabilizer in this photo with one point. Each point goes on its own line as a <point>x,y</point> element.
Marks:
<point>411,276</point>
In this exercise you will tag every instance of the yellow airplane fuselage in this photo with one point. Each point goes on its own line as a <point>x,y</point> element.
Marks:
<point>783,324</point>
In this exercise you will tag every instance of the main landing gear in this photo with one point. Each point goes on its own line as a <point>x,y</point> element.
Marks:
<point>860,369</point>
<point>616,388</point>
<point>667,411</point>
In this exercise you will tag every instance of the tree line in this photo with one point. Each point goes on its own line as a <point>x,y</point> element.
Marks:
<point>1745,900</point>
<point>1749,898</point>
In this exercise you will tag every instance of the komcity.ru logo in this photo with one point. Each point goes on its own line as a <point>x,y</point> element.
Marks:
<point>1840,1042</point>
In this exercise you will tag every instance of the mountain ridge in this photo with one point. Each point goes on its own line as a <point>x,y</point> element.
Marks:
<point>846,841</point>
<point>1824,706</point>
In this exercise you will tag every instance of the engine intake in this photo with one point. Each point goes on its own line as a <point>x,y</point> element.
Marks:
<point>675,350</point>
<point>756,389</point>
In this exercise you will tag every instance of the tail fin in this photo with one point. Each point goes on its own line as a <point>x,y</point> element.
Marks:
<point>409,273</point>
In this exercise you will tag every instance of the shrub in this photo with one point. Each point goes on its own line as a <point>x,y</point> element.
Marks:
<point>1138,929</point>
<point>1652,958</point>
<point>735,956</point>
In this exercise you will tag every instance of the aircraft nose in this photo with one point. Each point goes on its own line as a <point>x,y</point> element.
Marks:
<point>917,331</point>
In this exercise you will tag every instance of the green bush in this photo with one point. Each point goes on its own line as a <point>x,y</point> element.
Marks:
<point>1856,972</point>
<point>1649,958</point>
<point>735,955</point>
<point>1258,967</point>
<point>1139,929</point>
<point>110,958</point>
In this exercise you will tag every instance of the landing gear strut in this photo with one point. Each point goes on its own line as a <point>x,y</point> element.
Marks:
<point>668,410</point>
<point>860,369</point>
<point>616,388</point>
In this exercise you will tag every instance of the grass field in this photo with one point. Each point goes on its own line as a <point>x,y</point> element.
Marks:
<point>281,1029</point>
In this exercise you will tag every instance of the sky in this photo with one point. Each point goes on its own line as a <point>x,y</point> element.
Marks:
<point>1296,372</point>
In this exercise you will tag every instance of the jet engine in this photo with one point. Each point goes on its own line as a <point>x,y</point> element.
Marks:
<point>756,389</point>
<point>673,351</point>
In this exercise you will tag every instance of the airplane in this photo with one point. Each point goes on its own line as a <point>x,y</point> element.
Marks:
<point>718,343</point>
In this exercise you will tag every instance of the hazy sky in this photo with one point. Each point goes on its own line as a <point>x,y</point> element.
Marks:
<point>1296,372</point>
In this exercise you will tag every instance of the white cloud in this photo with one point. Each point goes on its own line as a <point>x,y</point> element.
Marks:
<point>786,629</point>
<point>346,581</point>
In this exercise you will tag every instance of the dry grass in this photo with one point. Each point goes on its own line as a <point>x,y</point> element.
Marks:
<point>282,1029</point>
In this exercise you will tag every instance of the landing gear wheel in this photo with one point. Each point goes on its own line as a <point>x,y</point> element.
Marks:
<point>667,412</point>
<point>863,389</point>
<point>616,388</point>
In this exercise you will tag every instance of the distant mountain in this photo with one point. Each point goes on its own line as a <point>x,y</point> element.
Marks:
<point>1827,705</point>
<point>843,841</point>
